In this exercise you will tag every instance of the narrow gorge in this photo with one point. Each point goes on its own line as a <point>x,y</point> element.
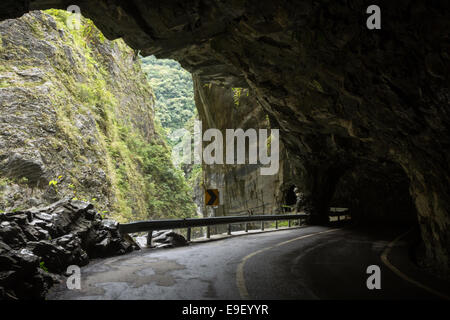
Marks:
<point>78,131</point>
<point>78,120</point>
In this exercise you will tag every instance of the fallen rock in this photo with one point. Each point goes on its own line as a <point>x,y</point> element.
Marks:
<point>141,240</point>
<point>37,245</point>
<point>167,239</point>
<point>12,234</point>
<point>110,224</point>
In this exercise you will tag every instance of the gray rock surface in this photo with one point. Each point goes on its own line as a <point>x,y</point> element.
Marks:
<point>162,239</point>
<point>351,103</point>
<point>167,239</point>
<point>38,244</point>
<point>57,99</point>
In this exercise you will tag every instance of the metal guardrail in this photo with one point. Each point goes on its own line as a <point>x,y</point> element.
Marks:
<point>153,225</point>
<point>339,212</point>
<point>142,226</point>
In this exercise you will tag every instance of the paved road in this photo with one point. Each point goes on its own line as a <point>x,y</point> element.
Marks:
<point>302,263</point>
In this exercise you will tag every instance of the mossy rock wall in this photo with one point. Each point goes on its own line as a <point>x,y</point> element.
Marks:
<point>77,119</point>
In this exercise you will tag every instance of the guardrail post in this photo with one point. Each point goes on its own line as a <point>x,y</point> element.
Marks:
<point>188,234</point>
<point>152,225</point>
<point>229,230</point>
<point>289,223</point>
<point>149,238</point>
<point>339,218</point>
<point>299,222</point>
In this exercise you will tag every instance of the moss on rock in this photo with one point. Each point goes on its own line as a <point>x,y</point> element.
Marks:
<point>78,107</point>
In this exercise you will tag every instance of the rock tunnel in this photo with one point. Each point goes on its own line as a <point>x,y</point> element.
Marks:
<point>363,114</point>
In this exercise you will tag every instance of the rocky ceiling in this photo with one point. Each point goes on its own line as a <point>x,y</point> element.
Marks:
<point>342,95</point>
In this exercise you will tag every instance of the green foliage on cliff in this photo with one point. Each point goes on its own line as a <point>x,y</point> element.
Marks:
<point>167,193</point>
<point>173,90</point>
<point>97,109</point>
<point>237,93</point>
<point>175,105</point>
<point>145,182</point>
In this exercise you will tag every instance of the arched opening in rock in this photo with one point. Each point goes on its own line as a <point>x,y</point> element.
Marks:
<point>377,194</point>
<point>364,87</point>
<point>174,91</point>
<point>80,120</point>
<point>290,198</point>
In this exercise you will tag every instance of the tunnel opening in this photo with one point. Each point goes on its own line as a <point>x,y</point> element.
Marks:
<point>384,130</point>
<point>174,91</point>
<point>377,195</point>
<point>290,199</point>
<point>175,108</point>
<point>379,200</point>
<point>99,93</point>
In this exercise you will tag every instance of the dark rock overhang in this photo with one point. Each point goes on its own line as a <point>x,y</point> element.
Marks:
<point>340,93</point>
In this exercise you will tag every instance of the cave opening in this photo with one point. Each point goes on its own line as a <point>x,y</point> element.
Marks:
<point>290,198</point>
<point>123,105</point>
<point>174,91</point>
<point>175,110</point>
<point>379,200</point>
<point>377,194</point>
<point>385,132</point>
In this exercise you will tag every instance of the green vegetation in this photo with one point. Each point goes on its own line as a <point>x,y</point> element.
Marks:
<point>42,266</point>
<point>54,183</point>
<point>173,90</point>
<point>195,175</point>
<point>4,182</point>
<point>193,172</point>
<point>237,93</point>
<point>105,145</point>
<point>23,180</point>
<point>175,106</point>
<point>142,181</point>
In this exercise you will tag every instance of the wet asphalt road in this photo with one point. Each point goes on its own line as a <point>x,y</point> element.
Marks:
<point>286,264</point>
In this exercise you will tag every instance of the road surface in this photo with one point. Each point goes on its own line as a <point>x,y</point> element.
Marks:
<point>301,263</point>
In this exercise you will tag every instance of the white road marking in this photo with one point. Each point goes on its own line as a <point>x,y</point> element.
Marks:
<point>240,280</point>
<point>384,258</point>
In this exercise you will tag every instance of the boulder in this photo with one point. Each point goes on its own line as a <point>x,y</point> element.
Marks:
<point>18,217</point>
<point>109,224</point>
<point>12,234</point>
<point>167,239</point>
<point>38,244</point>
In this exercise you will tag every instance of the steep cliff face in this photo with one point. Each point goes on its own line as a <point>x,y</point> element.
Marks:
<point>343,96</point>
<point>77,120</point>
<point>242,186</point>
